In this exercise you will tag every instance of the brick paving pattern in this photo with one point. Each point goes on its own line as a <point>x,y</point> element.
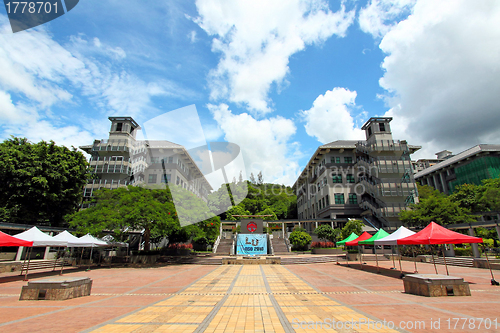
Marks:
<point>252,298</point>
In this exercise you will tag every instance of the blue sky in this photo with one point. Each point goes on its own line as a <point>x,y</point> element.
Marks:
<point>278,78</point>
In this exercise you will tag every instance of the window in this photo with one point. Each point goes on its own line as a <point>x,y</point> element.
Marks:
<point>369,131</point>
<point>178,181</point>
<point>339,199</point>
<point>323,202</point>
<point>152,179</point>
<point>337,179</point>
<point>381,127</point>
<point>166,178</point>
<point>347,159</point>
<point>350,178</point>
<point>327,200</point>
<point>171,159</point>
<point>119,127</point>
<point>335,160</point>
<point>155,160</point>
<point>353,199</point>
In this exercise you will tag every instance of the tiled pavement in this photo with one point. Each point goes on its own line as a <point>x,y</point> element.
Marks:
<point>267,298</point>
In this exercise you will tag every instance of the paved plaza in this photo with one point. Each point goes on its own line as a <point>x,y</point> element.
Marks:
<point>254,298</point>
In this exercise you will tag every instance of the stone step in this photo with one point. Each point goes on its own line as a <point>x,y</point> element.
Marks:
<point>454,261</point>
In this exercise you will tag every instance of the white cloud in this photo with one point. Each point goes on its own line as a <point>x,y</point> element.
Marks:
<point>379,16</point>
<point>256,39</point>
<point>192,36</point>
<point>264,143</point>
<point>330,118</point>
<point>39,76</point>
<point>442,74</point>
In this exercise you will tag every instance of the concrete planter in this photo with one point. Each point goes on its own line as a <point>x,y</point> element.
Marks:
<point>353,256</point>
<point>144,259</point>
<point>326,251</point>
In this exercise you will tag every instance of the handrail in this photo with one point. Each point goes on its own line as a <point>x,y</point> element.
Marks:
<point>216,244</point>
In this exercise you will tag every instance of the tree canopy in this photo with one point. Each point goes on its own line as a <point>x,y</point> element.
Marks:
<point>326,232</point>
<point>39,182</point>
<point>351,226</point>
<point>138,208</point>
<point>437,207</point>
<point>265,199</point>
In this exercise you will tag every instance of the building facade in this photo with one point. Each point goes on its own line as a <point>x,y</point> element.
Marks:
<point>122,160</point>
<point>370,180</point>
<point>469,167</point>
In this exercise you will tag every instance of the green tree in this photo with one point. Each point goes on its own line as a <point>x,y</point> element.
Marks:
<point>439,209</point>
<point>325,232</point>
<point>351,226</point>
<point>300,239</point>
<point>468,196</point>
<point>151,210</point>
<point>39,182</point>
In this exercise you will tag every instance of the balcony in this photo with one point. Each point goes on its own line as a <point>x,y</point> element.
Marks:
<point>382,145</point>
<point>388,189</point>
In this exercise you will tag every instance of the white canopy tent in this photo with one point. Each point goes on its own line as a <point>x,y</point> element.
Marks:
<point>392,239</point>
<point>40,238</point>
<point>93,241</point>
<point>73,241</point>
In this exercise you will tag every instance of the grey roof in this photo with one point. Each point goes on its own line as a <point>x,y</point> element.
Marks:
<point>459,157</point>
<point>341,144</point>
<point>160,144</point>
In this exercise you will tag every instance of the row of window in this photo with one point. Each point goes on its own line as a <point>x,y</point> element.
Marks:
<point>339,199</point>
<point>347,159</point>
<point>337,179</point>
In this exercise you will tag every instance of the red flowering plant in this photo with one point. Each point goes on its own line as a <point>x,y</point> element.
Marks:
<point>322,245</point>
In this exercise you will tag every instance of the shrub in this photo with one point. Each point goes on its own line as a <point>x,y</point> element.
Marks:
<point>300,239</point>
<point>463,252</point>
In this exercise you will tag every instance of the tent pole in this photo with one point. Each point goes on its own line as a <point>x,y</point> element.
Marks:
<point>25,257</point>
<point>393,262</point>
<point>347,256</point>
<point>55,261</point>
<point>493,281</point>
<point>444,258</point>
<point>90,259</point>
<point>415,260</point>
<point>376,257</point>
<point>62,263</point>
<point>432,253</point>
<point>28,267</point>
<point>400,267</point>
<point>81,257</point>
<point>360,257</point>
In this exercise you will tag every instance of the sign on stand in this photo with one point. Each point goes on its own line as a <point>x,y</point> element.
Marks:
<point>251,245</point>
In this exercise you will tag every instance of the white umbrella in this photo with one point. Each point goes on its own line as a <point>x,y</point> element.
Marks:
<point>73,241</point>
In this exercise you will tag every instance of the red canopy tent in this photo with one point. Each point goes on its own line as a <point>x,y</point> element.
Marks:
<point>436,234</point>
<point>7,240</point>
<point>364,236</point>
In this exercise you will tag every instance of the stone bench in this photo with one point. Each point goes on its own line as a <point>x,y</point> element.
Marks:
<point>56,289</point>
<point>435,285</point>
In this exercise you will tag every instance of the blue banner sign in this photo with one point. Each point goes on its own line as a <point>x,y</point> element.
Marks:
<point>251,245</point>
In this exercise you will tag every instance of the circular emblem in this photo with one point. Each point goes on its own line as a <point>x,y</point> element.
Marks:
<point>252,226</point>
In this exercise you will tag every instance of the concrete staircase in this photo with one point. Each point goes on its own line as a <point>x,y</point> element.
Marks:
<point>455,261</point>
<point>279,246</point>
<point>224,247</point>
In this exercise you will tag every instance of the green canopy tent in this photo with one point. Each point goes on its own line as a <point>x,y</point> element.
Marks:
<point>351,237</point>
<point>370,241</point>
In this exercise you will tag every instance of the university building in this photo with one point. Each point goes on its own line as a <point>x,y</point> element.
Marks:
<point>469,167</point>
<point>122,160</point>
<point>371,180</point>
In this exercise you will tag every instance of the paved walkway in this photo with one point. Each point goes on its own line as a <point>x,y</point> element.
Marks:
<point>252,298</point>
